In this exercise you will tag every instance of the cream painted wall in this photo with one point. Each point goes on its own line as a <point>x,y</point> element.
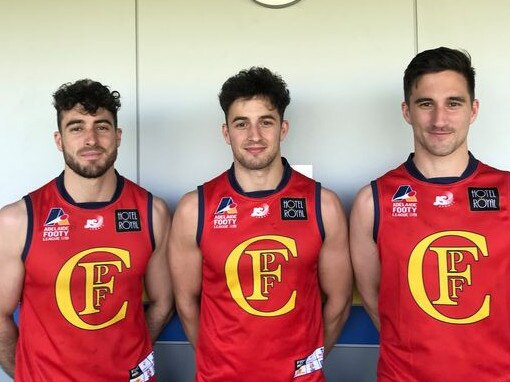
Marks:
<point>342,61</point>
<point>482,28</point>
<point>42,45</point>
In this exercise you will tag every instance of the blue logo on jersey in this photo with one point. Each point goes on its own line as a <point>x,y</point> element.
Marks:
<point>226,206</point>
<point>404,193</point>
<point>56,216</point>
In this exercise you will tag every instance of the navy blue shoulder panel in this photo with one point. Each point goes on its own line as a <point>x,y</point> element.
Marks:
<point>375,195</point>
<point>318,211</point>
<point>201,212</point>
<point>30,227</point>
<point>149,219</point>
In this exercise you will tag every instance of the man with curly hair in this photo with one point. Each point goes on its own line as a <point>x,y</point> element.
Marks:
<point>78,253</point>
<point>253,249</point>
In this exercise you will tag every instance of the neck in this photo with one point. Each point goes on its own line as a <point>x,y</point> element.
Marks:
<point>452,165</point>
<point>85,190</point>
<point>264,179</point>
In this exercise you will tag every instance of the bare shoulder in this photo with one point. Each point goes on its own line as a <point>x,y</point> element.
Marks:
<point>333,215</point>
<point>188,205</point>
<point>160,207</point>
<point>363,205</point>
<point>13,216</point>
<point>364,195</point>
<point>185,220</point>
<point>330,199</point>
<point>13,228</point>
<point>362,219</point>
<point>331,205</point>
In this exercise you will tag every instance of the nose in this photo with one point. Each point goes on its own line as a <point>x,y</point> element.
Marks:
<point>439,117</point>
<point>90,137</point>
<point>254,132</point>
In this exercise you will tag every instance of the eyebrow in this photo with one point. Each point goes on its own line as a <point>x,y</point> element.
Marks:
<point>457,98</point>
<point>266,116</point>
<point>423,99</point>
<point>79,121</point>
<point>239,119</point>
<point>453,98</point>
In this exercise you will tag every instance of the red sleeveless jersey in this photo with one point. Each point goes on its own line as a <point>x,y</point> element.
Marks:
<point>81,313</point>
<point>260,314</point>
<point>444,300</point>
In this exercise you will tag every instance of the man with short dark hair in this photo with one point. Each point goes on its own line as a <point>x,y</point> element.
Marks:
<point>252,250</point>
<point>429,239</point>
<point>77,254</point>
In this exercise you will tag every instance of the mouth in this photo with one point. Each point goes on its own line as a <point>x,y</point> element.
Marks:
<point>440,133</point>
<point>440,130</point>
<point>254,150</point>
<point>91,154</point>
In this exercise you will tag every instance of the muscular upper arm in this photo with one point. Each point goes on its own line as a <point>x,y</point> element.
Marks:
<point>335,270</point>
<point>13,231</point>
<point>185,255</point>
<point>364,254</point>
<point>157,277</point>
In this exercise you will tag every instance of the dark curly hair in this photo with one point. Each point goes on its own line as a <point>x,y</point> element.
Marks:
<point>256,81</point>
<point>439,60</point>
<point>91,95</point>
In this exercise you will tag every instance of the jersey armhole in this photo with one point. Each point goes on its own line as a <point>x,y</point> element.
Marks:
<point>30,227</point>
<point>200,222</point>
<point>149,218</point>
<point>375,195</point>
<point>318,211</point>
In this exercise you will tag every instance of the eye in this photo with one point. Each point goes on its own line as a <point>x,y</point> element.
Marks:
<point>75,128</point>
<point>425,104</point>
<point>455,104</point>
<point>240,125</point>
<point>103,127</point>
<point>267,122</point>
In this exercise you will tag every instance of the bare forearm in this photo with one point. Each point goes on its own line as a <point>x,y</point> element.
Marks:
<point>8,340</point>
<point>190,322</point>
<point>334,320</point>
<point>157,317</point>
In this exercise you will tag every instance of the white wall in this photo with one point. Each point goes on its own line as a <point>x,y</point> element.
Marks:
<point>342,61</point>
<point>482,28</point>
<point>42,45</point>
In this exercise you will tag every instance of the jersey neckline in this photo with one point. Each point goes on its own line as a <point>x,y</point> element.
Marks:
<point>287,171</point>
<point>414,172</point>
<point>89,205</point>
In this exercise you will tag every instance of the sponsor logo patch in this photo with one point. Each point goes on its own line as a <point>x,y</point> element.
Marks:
<point>405,202</point>
<point>260,212</point>
<point>445,200</point>
<point>309,364</point>
<point>56,216</point>
<point>56,226</point>
<point>127,221</point>
<point>293,209</point>
<point>225,215</point>
<point>483,198</point>
<point>95,223</point>
<point>144,371</point>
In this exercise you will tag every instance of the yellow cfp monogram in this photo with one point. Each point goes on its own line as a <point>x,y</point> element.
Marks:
<point>264,276</point>
<point>96,286</point>
<point>451,279</point>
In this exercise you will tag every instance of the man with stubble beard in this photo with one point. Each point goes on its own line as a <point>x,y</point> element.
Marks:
<point>78,253</point>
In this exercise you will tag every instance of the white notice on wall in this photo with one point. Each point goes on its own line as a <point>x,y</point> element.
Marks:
<point>305,169</point>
